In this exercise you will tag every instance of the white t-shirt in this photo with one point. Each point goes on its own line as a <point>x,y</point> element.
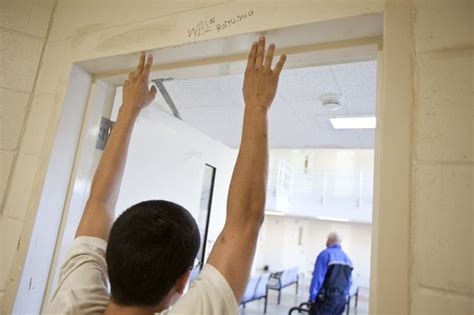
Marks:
<point>83,286</point>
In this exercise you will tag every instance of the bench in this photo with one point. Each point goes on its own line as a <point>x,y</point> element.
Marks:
<point>256,289</point>
<point>282,279</point>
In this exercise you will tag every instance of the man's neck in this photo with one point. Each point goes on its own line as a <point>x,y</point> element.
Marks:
<point>116,309</point>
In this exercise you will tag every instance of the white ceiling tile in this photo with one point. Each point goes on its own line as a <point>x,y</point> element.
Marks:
<point>297,118</point>
<point>231,88</point>
<point>310,110</point>
<point>284,126</point>
<point>304,84</point>
<point>357,83</point>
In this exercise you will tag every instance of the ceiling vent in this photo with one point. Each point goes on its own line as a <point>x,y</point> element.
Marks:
<point>332,101</point>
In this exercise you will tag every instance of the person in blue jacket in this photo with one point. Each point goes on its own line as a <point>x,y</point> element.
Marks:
<point>332,279</point>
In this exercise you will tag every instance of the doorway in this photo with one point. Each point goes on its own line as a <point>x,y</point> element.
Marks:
<point>220,57</point>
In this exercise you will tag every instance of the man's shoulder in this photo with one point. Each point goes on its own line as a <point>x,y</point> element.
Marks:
<point>346,257</point>
<point>82,300</point>
<point>324,254</point>
<point>209,293</point>
<point>335,253</point>
<point>326,251</point>
<point>83,281</point>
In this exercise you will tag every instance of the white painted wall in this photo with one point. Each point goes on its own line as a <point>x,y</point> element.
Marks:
<point>334,183</point>
<point>281,246</point>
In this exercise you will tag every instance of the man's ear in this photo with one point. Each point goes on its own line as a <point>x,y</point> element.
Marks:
<point>182,281</point>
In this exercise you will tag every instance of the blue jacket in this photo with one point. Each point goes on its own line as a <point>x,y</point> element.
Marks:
<point>331,256</point>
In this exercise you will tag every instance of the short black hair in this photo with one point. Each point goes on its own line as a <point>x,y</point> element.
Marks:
<point>150,246</point>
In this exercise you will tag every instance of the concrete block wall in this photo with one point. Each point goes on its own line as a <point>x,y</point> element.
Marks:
<point>442,214</point>
<point>23,34</point>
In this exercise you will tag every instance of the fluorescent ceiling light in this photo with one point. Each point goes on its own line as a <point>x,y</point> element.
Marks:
<point>353,122</point>
<point>268,212</point>
<point>333,219</point>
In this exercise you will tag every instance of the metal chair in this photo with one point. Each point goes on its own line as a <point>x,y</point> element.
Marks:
<point>302,308</point>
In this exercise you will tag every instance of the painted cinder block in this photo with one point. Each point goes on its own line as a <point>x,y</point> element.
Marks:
<point>443,24</point>
<point>6,160</point>
<point>73,18</point>
<point>26,16</point>
<point>444,106</point>
<point>9,236</point>
<point>19,58</point>
<point>21,187</point>
<point>55,68</point>
<point>13,105</point>
<point>442,227</point>
<point>41,113</point>
<point>433,302</point>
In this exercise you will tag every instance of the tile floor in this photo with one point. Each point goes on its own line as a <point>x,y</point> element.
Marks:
<point>290,299</point>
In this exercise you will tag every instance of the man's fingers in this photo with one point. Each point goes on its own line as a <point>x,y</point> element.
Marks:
<point>149,63</point>
<point>269,58</point>
<point>141,62</point>
<point>130,75</point>
<point>260,53</point>
<point>153,91</point>
<point>280,64</point>
<point>252,55</point>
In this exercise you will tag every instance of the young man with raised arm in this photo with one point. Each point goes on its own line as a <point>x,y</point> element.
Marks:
<point>147,254</point>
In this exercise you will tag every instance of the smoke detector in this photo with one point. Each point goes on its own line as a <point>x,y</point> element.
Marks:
<point>332,101</point>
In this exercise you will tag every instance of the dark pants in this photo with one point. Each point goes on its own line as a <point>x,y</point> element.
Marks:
<point>331,304</point>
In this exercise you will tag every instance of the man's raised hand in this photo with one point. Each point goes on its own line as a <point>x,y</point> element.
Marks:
<point>260,82</point>
<point>136,94</point>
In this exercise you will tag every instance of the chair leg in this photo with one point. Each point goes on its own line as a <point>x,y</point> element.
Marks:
<point>296,287</point>
<point>348,305</point>
<point>243,305</point>
<point>293,309</point>
<point>265,305</point>
<point>357,298</point>
<point>279,296</point>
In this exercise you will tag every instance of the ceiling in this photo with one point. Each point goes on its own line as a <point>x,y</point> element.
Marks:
<point>297,119</point>
<point>333,56</point>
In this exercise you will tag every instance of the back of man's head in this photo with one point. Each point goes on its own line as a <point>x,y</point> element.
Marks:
<point>150,246</point>
<point>333,238</point>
